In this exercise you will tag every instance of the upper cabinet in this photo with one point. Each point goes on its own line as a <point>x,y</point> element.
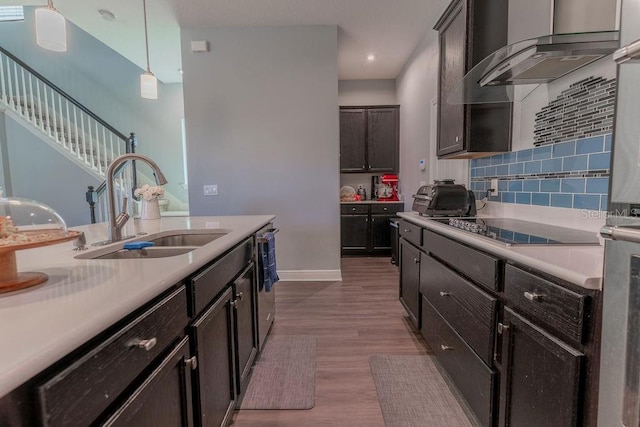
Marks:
<point>369,139</point>
<point>470,30</point>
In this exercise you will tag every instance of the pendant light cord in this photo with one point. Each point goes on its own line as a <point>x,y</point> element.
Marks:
<point>146,36</point>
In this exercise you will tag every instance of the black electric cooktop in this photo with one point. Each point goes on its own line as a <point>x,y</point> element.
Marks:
<point>517,232</point>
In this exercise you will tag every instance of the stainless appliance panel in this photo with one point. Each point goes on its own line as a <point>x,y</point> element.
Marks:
<point>266,300</point>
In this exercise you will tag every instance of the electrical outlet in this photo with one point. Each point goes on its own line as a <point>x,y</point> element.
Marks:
<point>494,187</point>
<point>210,190</point>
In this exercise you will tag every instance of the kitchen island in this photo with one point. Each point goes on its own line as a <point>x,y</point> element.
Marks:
<point>85,297</point>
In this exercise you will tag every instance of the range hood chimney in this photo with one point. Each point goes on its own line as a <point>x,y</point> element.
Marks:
<point>583,31</point>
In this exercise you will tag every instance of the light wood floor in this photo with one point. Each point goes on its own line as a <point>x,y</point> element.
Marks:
<point>352,320</point>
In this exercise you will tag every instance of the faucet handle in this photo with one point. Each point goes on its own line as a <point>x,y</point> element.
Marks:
<point>123,217</point>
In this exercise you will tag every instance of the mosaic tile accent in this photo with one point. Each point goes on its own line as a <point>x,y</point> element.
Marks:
<point>585,109</point>
<point>570,174</point>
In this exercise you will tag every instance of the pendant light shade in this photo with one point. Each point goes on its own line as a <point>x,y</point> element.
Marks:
<point>148,82</point>
<point>51,29</point>
<point>148,86</point>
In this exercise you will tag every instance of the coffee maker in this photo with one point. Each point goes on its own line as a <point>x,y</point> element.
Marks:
<point>388,188</point>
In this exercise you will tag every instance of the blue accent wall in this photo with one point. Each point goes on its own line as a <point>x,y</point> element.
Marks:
<point>569,174</point>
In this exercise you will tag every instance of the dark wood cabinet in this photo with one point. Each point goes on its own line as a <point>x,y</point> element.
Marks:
<point>353,133</point>
<point>410,280</point>
<point>541,376</point>
<point>470,30</point>
<point>365,228</point>
<point>369,139</point>
<point>165,396</point>
<point>245,293</point>
<point>213,336</point>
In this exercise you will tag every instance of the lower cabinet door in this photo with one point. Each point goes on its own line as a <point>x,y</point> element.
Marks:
<point>213,337</point>
<point>540,383</point>
<point>410,280</point>
<point>246,332</point>
<point>164,398</point>
<point>354,234</point>
<point>380,233</point>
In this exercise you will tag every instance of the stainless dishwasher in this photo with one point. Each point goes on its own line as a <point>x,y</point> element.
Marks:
<point>266,300</point>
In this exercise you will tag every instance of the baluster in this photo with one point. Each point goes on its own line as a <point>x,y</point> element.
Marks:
<point>23,98</point>
<point>111,145</point>
<point>2,79</point>
<point>16,101</point>
<point>104,143</point>
<point>10,98</point>
<point>46,103</point>
<point>75,130</point>
<point>97,145</point>
<point>68,130</point>
<point>60,122</point>
<point>32,117</point>
<point>84,138</point>
<point>56,135</point>
<point>40,104</point>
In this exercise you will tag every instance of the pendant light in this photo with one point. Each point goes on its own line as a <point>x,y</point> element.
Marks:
<point>51,29</point>
<point>148,82</point>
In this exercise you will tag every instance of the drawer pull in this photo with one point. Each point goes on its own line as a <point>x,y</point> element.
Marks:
<point>502,328</point>
<point>445,294</point>
<point>240,295</point>
<point>406,230</point>
<point>191,363</point>
<point>384,209</point>
<point>445,347</point>
<point>233,303</point>
<point>532,296</point>
<point>353,209</point>
<point>416,260</point>
<point>145,344</point>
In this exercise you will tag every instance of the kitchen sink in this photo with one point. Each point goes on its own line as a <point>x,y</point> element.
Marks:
<point>152,252</point>
<point>166,244</point>
<point>187,239</point>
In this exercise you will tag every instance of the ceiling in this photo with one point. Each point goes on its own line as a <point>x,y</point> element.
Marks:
<point>390,29</point>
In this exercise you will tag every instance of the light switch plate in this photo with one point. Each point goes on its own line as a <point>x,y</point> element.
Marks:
<point>199,46</point>
<point>210,190</point>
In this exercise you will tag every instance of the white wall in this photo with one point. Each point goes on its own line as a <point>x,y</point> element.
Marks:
<point>417,91</point>
<point>261,111</point>
<point>367,92</point>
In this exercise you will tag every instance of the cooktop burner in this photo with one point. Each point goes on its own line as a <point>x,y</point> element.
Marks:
<point>517,232</point>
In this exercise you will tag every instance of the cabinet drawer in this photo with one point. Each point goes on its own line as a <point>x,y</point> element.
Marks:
<point>80,393</point>
<point>410,232</point>
<point>479,266</point>
<point>209,283</point>
<point>386,208</point>
<point>556,307</point>
<point>470,311</point>
<point>472,377</point>
<point>354,209</point>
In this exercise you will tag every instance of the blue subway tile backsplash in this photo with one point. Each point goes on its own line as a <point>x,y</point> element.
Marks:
<point>569,174</point>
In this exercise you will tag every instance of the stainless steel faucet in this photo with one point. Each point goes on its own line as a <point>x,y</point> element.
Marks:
<point>116,224</point>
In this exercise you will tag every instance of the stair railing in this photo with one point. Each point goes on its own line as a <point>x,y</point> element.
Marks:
<point>57,114</point>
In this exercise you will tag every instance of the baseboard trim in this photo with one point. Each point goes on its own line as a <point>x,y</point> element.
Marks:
<point>310,275</point>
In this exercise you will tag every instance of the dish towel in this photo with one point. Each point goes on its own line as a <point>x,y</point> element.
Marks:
<point>269,261</point>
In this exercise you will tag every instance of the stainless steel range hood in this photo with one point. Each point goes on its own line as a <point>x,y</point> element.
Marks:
<point>511,73</point>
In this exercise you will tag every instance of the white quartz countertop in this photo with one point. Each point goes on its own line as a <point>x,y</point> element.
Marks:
<point>39,326</point>
<point>580,265</point>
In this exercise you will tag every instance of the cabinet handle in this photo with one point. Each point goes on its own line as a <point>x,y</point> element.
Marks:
<point>444,294</point>
<point>532,296</point>
<point>192,363</point>
<point>373,220</point>
<point>384,209</point>
<point>240,295</point>
<point>445,347</point>
<point>145,344</point>
<point>502,328</point>
<point>416,260</point>
<point>353,209</point>
<point>406,230</point>
<point>364,167</point>
<point>457,139</point>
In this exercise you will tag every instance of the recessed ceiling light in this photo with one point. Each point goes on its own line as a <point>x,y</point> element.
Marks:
<point>371,57</point>
<point>107,15</point>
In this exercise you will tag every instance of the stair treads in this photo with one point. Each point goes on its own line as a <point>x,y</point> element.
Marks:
<point>284,377</point>
<point>412,392</point>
